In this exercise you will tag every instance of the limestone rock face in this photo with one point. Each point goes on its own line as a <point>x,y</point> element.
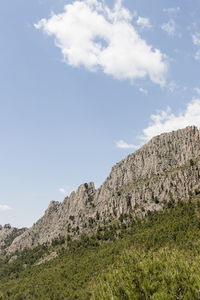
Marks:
<point>7,235</point>
<point>166,168</point>
<point>4,233</point>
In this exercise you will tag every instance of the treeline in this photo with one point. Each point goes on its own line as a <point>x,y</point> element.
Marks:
<point>154,258</point>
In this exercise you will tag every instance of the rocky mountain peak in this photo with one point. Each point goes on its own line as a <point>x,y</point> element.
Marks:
<point>165,169</point>
<point>6,226</point>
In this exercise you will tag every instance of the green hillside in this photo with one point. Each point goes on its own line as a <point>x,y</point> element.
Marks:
<point>157,258</point>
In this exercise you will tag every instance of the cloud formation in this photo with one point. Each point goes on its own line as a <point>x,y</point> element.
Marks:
<point>171,10</point>
<point>166,121</point>
<point>92,35</point>
<point>144,22</point>
<point>173,86</point>
<point>5,208</point>
<point>197,55</point>
<point>196,38</point>
<point>66,191</point>
<point>197,90</point>
<point>170,27</point>
<point>144,91</point>
<point>196,42</point>
<point>123,145</point>
<point>62,191</point>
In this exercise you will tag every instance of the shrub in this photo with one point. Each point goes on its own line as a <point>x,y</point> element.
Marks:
<point>192,163</point>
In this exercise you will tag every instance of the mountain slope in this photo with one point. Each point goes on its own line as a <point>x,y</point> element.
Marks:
<point>156,258</point>
<point>7,235</point>
<point>162,171</point>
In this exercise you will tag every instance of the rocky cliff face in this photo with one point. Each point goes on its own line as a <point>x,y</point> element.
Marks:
<point>7,235</point>
<point>163,170</point>
<point>5,232</point>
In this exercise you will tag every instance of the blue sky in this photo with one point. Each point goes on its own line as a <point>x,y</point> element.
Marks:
<point>83,84</point>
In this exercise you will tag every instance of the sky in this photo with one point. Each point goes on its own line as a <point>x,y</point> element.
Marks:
<point>83,84</point>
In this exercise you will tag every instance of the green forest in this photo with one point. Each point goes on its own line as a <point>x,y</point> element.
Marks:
<point>154,258</point>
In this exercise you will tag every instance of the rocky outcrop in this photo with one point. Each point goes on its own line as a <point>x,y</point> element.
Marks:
<point>47,258</point>
<point>7,235</point>
<point>5,232</point>
<point>163,170</point>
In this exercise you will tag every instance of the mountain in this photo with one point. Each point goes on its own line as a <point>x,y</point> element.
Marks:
<point>135,237</point>
<point>7,235</point>
<point>160,173</point>
<point>157,257</point>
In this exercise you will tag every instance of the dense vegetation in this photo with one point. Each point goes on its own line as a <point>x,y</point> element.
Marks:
<point>157,258</point>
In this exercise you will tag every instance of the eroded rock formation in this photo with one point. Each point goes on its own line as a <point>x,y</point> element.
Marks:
<point>165,169</point>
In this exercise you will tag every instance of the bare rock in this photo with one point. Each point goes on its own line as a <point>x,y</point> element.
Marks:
<point>166,168</point>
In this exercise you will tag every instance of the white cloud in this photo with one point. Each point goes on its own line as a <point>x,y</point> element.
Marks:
<point>166,121</point>
<point>66,191</point>
<point>197,55</point>
<point>196,42</point>
<point>170,27</point>
<point>4,207</point>
<point>173,86</point>
<point>196,38</point>
<point>197,90</point>
<point>144,22</point>
<point>144,91</point>
<point>62,191</point>
<point>92,35</point>
<point>123,145</point>
<point>171,10</point>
